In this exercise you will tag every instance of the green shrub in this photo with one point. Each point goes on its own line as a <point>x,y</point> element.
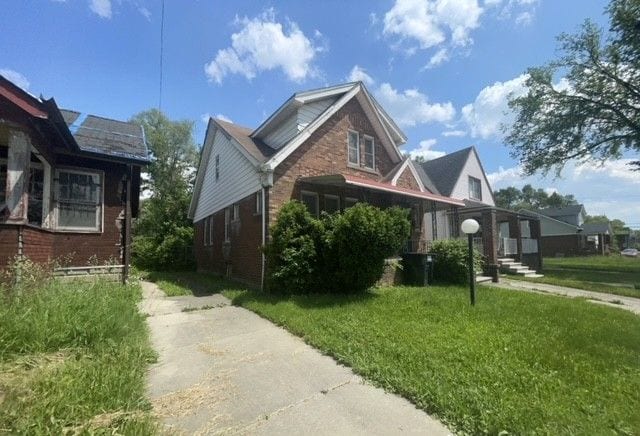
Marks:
<point>172,251</point>
<point>341,253</point>
<point>451,260</point>
<point>292,254</point>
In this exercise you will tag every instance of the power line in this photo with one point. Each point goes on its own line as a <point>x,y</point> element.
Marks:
<point>161,56</point>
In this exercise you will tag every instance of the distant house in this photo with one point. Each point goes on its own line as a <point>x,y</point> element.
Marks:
<point>69,182</point>
<point>503,233</point>
<point>564,232</point>
<point>329,148</point>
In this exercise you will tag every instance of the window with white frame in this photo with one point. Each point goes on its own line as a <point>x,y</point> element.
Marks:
<point>475,188</point>
<point>236,212</point>
<point>258,202</point>
<point>331,203</point>
<point>369,153</point>
<point>78,200</point>
<point>310,199</point>
<point>227,224</point>
<point>354,147</point>
<point>217,166</point>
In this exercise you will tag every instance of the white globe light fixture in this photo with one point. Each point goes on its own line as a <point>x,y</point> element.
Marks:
<point>471,227</point>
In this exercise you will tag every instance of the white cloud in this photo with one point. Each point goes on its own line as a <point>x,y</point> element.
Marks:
<point>611,189</point>
<point>411,107</point>
<point>15,77</point>
<point>359,74</point>
<point>223,118</point>
<point>523,10</point>
<point>263,44</point>
<point>205,117</point>
<point>490,110</point>
<point>145,12</point>
<point>102,8</point>
<point>425,150</point>
<point>433,22</point>
<point>454,133</point>
<point>440,57</point>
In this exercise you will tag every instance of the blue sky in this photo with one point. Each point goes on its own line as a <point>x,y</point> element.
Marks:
<point>442,68</point>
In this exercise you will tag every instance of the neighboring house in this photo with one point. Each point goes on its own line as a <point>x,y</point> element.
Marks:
<point>503,233</point>
<point>564,232</point>
<point>69,181</point>
<point>329,148</point>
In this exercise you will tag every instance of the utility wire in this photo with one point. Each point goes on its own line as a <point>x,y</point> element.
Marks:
<point>161,55</point>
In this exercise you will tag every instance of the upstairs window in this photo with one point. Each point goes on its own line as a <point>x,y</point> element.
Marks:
<point>475,189</point>
<point>78,200</point>
<point>354,147</point>
<point>217,166</point>
<point>369,153</point>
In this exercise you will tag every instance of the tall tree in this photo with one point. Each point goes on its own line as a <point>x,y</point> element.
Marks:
<point>593,111</point>
<point>531,198</point>
<point>508,198</point>
<point>163,234</point>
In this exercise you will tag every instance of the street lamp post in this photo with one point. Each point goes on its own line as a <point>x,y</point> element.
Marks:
<point>470,227</point>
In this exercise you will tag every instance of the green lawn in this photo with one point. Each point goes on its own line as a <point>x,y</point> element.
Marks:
<point>610,274</point>
<point>519,363</point>
<point>188,282</point>
<point>73,358</point>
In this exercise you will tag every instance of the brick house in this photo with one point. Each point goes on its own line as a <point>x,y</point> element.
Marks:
<point>329,148</point>
<point>70,181</point>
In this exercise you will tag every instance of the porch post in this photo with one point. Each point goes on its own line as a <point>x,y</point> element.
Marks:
<point>514,232</point>
<point>534,225</point>
<point>456,222</point>
<point>18,162</point>
<point>490,242</point>
<point>434,221</point>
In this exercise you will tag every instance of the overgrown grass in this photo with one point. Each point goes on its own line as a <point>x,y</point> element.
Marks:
<point>73,359</point>
<point>598,263</point>
<point>517,362</point>
<point>188,282</point>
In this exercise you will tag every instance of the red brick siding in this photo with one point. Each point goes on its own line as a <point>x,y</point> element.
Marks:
<point>245,259</point>
<point>567,245</point>
<point>407,181</point>
<point>325,152</point>
<point>38,244</point>
<point>8,243</point>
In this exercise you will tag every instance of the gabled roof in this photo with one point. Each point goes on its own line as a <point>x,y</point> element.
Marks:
<point>445,171</point>
<point>255,147</point>
<point>597,229</point>
<point>106,136</point>
<point>572,210</point>
<point>397,171</point>
<point>574,229</point>
<point>426,180</point>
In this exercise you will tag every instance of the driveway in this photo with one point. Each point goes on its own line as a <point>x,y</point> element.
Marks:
<point>621,302</point>
<point>224,370</point>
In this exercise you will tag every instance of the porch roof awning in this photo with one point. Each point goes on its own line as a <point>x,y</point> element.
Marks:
<point>344,179</point>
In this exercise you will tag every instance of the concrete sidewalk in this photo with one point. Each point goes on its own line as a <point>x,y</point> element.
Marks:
<point>618,301</point>
<point>225,370</point>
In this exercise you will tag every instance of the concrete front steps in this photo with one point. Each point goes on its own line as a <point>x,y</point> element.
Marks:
<point>510,266</point>
<point>482,279</point>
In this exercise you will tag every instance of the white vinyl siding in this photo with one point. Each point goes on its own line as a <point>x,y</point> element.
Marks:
<point>310,111</point>
<point>284,133</point>
<point>472,168</point>
<point>238,178</point>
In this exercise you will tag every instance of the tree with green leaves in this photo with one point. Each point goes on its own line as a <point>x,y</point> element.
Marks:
<point>586,104</point>
<point>531,198</point>
<point>163,234</point>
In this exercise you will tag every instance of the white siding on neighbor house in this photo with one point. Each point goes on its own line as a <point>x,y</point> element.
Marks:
<point>550,227</point>
<point>472,168</point>
<point>238,178</point>
<point>283,134</point>
<point>310,111</point>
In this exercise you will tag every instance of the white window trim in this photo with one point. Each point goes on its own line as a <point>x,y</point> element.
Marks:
<point>317,198</point>
<point>349,132</point>
<point>99,221</point>
<point>479,198</point>
<point>333,197</point>
<point>373,151</point>
<point>217,167</point>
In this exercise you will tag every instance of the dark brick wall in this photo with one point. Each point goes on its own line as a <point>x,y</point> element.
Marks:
<point>8,243</point>
<point>567,245</point>
<point>244,248</point>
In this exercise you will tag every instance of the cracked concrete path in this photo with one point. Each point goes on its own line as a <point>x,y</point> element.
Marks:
<point>618,301</point>
<point>225,370</point>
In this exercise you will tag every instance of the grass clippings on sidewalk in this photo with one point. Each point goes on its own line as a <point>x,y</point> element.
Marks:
<point>517,363</point>
<point>73,359</point>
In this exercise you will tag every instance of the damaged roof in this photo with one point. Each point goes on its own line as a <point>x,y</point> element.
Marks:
<point>105,136</point>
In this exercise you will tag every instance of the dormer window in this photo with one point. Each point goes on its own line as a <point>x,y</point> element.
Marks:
<point>475,189</point>
<point>354,148</point>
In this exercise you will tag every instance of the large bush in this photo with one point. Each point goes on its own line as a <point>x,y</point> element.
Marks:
<point>341,253</point>
<point>452,260</point>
